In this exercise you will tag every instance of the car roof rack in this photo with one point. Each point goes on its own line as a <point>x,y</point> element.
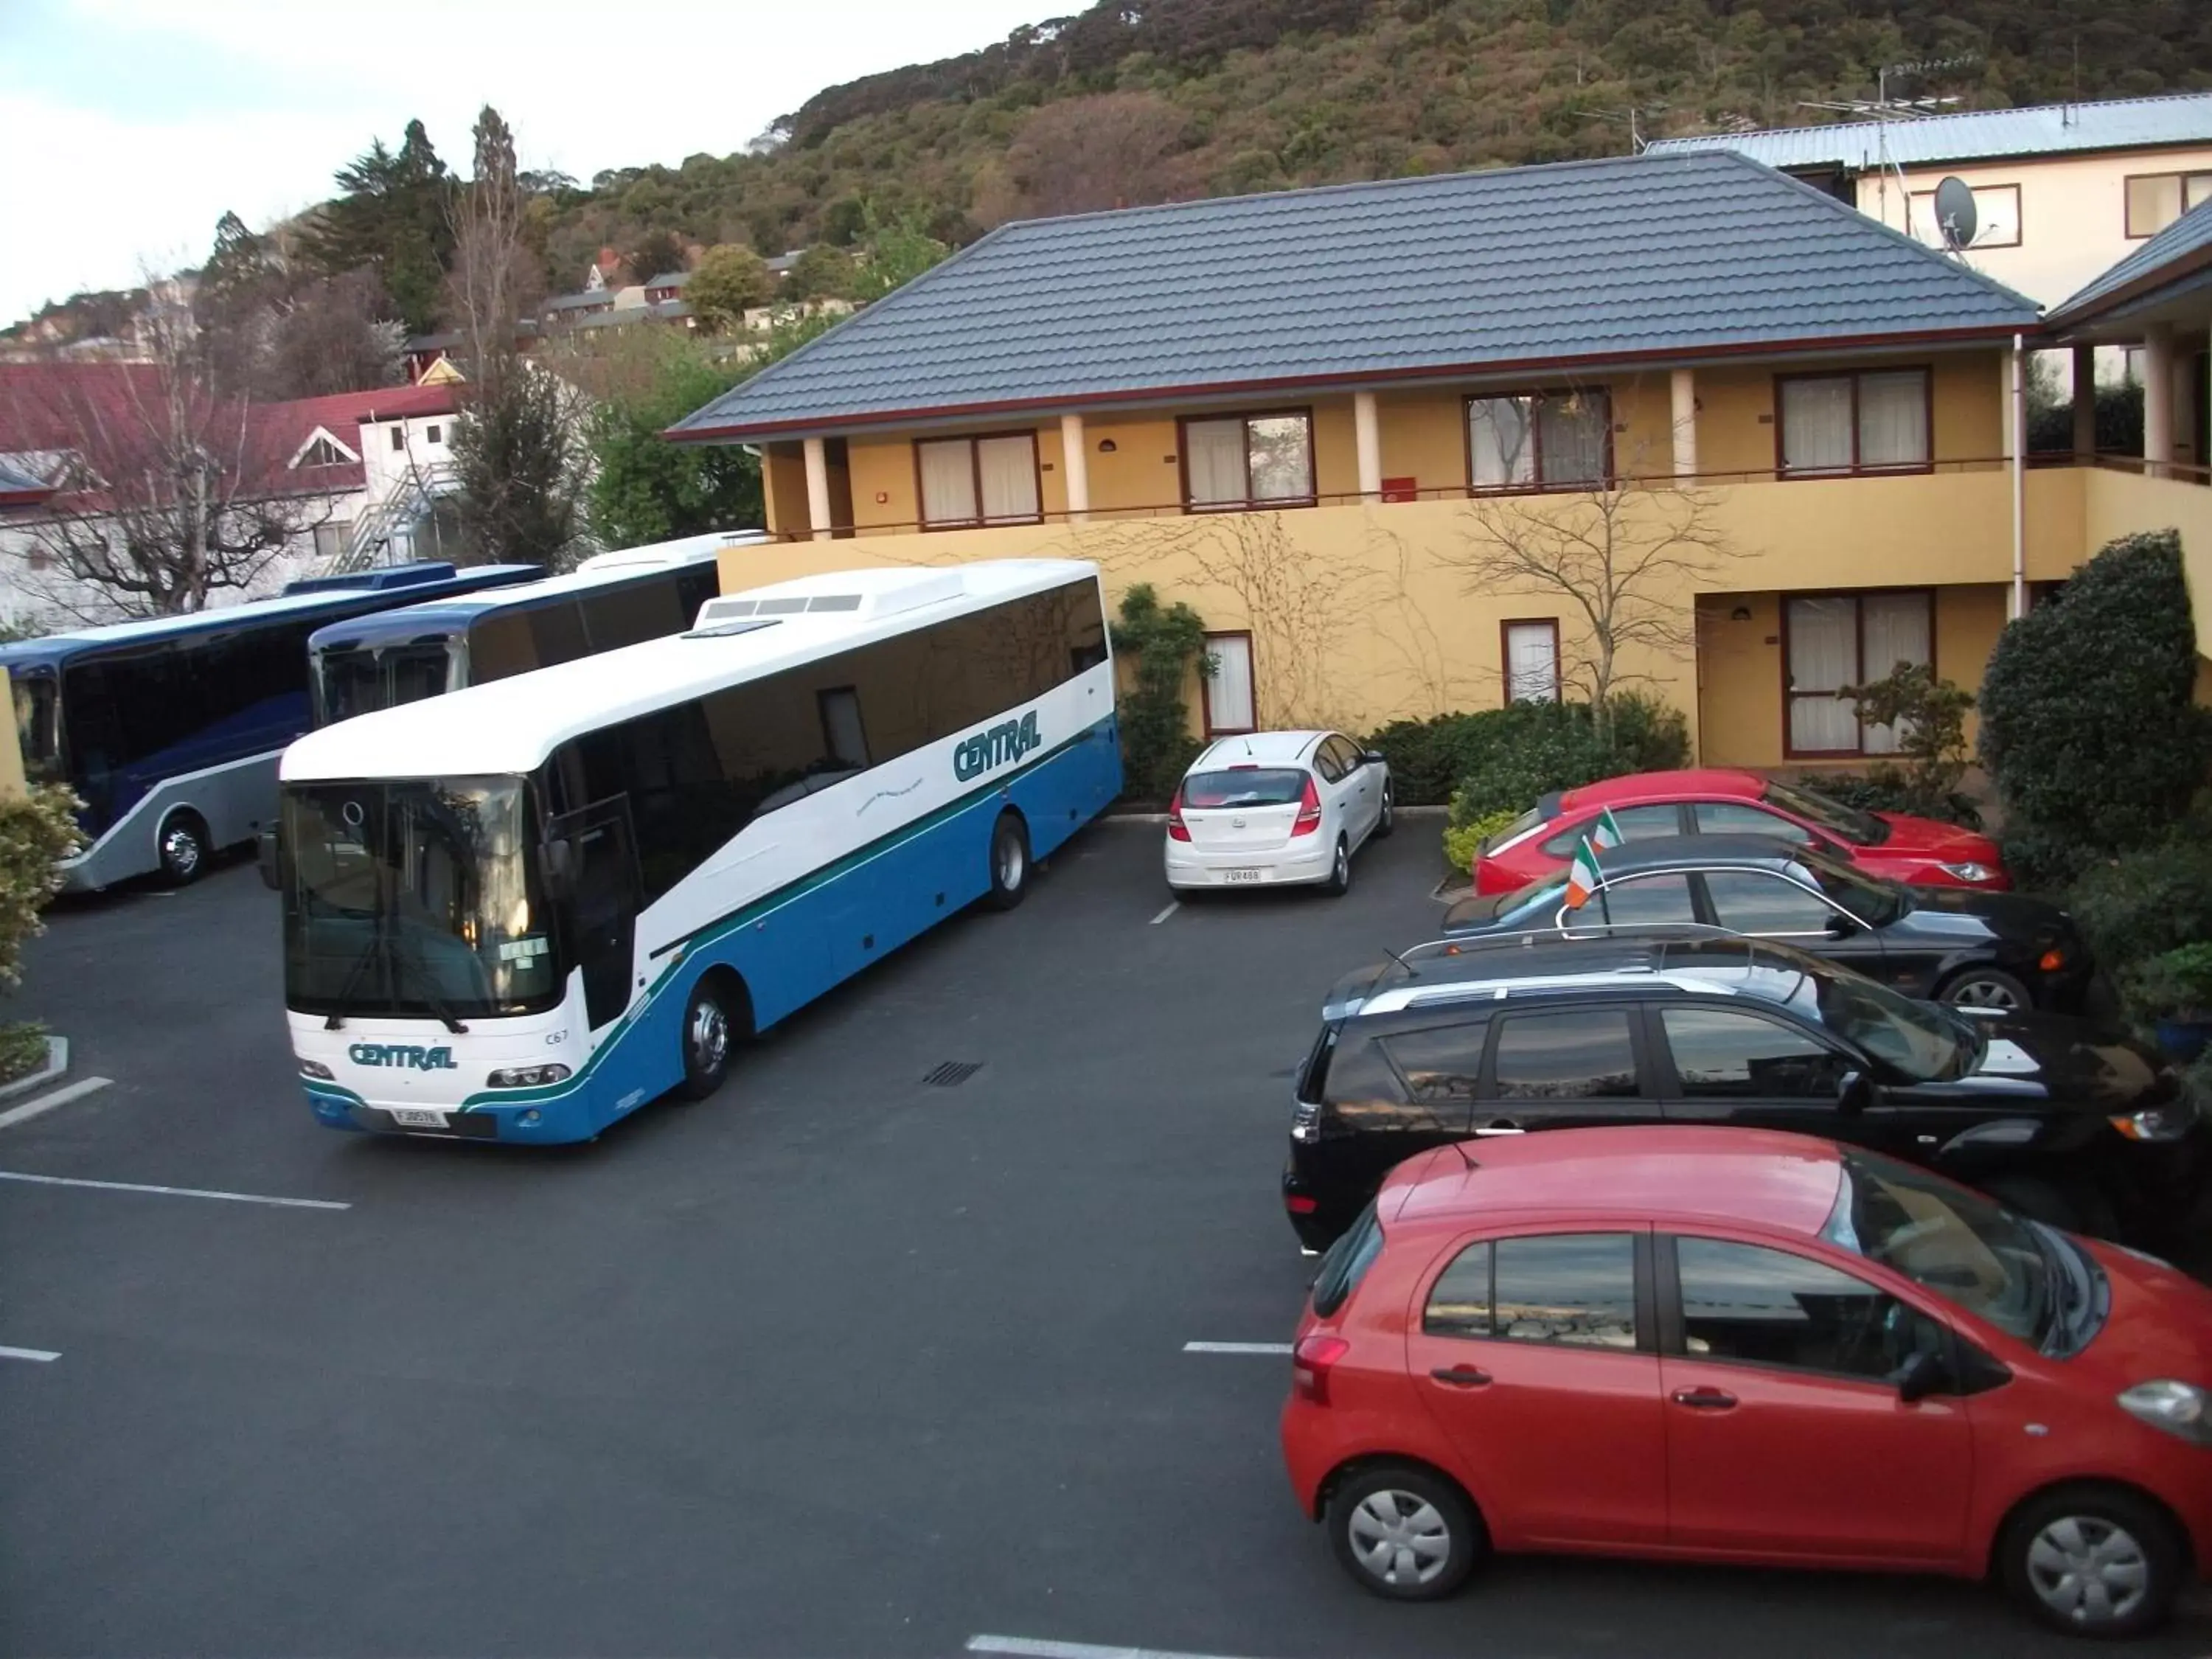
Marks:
<point>1523,939</point>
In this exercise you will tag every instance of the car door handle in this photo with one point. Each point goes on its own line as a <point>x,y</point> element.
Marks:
<point>1705,1399</point>
<point>1462,1376</point>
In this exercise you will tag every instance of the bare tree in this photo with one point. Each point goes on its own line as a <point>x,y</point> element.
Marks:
<point>1620,558</point>
<point>171,490</point>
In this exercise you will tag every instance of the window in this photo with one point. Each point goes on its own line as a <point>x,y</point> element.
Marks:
<point>1459,1301</point>
<point>1584,1054</point>
<point>1848,639</point>
<point>1577,1290</point>
<point>1752,902</point>
<point>1346,1263</point>
<point>399,437</point>
<point>971,481</point>
<point>1248,460</point>
<point>2156,200</point>
<point>332,538</point>
<point>843,739</point>
<point>321,452</point>
<point>1439,1065</point>
<point>1721,1055</point>
<point>1762,1307</point>
<point>1832,425</point>
<point>434,436</point>
<point>1227,691</point>
<point>1540,440</point>
<point>1996,218</point>
<point>1641,900</point>
<point>1532,661</point>
<point>1733,818</point>
<point>1637,824</point>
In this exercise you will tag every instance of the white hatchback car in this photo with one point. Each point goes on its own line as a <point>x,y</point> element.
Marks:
<point>1276,809</point>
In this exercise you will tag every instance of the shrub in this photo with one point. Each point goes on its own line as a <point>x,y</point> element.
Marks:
<point>36,833</point>
<point>1929,718</point>
<point>1157,746</point>
<point>1501,758</point>
<point>2176,981</point>
<point>2089,726</point>
<point>1648,735</point>
<point>1882,788</point>
<point>2144,903</point>
<point>1463,841</point>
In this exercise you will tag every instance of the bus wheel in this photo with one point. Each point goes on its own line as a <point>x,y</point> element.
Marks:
<point>1010,862</point>
<point>184,848</point>
<point>707,1038</point>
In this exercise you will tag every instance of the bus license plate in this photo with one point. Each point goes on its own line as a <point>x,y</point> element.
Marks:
<point>1240,875</point>
<point>417,1117</point>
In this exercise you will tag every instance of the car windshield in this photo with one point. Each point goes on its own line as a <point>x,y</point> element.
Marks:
<point>38,728</point>
<point>355,680</point>
<point>1998,1267</point>
<point>1245,786</point>
<point>1853,825</point>
<point>1873,901</point>
<point>416,899</point>
<point>1925,1042</point>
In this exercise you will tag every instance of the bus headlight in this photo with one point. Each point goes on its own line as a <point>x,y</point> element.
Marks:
<point>314,1068</point>
<point>527,1077</point>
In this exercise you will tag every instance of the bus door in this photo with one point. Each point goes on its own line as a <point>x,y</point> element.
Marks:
<point>598,881</point>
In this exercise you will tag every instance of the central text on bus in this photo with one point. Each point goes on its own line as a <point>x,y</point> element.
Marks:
<point>1004,743</point>
<point>402,1055</point>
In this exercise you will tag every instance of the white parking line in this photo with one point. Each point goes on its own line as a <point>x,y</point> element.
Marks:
<point>1174,905</point>
<point>47,1102</point>
<point>1030,1647</point>
<point>1237,1347</point>
<point>38,1354</point>
<point>176,1191</point>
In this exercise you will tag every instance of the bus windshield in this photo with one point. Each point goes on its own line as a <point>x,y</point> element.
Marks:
<point>38,729</point>
<point>358,681</point>
<point>415,899</point>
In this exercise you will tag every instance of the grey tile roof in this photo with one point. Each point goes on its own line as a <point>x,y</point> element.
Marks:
<point>2168,252</point>
<point>598,296</point>
<point>1978,135</point>
<point>670,279</point>
<point>1584,261</point>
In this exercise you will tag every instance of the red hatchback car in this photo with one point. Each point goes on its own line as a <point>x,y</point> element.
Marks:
<point>1919,851</point>
<point>1738,1346</point>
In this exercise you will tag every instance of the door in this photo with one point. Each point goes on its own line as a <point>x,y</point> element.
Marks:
<point>1564,1068</point>
<point>599,903</point>
<point>1735,1066</point>
<point>1528,1354</point>
<point>1227,691</point>
<point>1770,905</point>
<point>1532,661</point>
<point>1785,1435</point>
<point>1361,787</point>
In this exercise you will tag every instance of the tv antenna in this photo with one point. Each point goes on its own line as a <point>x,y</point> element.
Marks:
<point>1884,109</point>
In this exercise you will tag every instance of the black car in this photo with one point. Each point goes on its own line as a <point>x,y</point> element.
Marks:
<point>2066,1120</point>
<point>1956,944</point>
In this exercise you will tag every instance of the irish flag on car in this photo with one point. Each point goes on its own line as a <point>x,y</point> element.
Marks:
<point>1582,875</point>
<point>1606,833</point>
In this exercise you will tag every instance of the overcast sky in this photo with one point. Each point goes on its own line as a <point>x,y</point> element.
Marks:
<point>127,127</point>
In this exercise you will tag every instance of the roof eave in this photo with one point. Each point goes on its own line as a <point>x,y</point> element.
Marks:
<point>2072,315</point>
<point>821,425</point>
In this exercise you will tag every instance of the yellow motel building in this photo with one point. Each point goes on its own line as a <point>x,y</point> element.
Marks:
<point>1362,429</point>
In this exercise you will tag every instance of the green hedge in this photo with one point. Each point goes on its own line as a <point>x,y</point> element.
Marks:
<point>1501,759</point>
<point>1887,789</point>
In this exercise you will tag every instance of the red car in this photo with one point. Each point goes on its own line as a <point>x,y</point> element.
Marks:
<point>1739,1345</point>
<point>1919,851</point>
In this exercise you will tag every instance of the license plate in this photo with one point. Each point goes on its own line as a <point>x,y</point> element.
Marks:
<point>417,1117</point>
<point>1240,875</point>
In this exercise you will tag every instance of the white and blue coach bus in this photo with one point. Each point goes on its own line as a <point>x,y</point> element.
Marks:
<point>519,911</point>
<point>169,728</point>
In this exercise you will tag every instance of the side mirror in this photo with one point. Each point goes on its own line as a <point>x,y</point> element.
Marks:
<point>1924,1374</point>
<point>1374,757</point>
<point>1854,1093</point>
<point>1841,925</point>
<point>265,852</point>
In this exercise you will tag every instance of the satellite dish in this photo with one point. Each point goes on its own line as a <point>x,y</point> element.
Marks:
<point>1955,214</point>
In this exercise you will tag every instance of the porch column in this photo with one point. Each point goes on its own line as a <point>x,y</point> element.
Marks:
<point>818,488</point>
<point>2085,403</point>
<point>1684,385</point>
<point>1367,435</point>
<point>2158,398</point>
<point>1075,464</point>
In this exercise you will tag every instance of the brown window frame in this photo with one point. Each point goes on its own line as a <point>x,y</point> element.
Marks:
<point>1505,656</point>
<point>1311,498</point>
<point>1535,486</point>
<point>981,521</point>
<point>1790,695</point>
<point>2127,211</point>
<point>2019,215</point>
<point>1205,686</point>
<point>1894,470</point>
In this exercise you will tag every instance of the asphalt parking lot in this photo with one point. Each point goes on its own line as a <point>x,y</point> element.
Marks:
<point>837,1362</point>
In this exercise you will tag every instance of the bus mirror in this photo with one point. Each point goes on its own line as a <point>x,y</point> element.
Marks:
<point>267,851</point>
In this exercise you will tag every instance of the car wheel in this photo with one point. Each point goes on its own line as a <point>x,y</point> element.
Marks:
<point>1988,987</point>
<point>1405,1533</point>
<point>2092,1561</point>
<point>1388,821</point>
<point>1340,873</point>
<point>183,849</point>
<point>1010,862</point>
<point>707,1036</point>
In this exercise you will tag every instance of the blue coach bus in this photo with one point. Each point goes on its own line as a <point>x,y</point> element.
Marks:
<point>170,728</point>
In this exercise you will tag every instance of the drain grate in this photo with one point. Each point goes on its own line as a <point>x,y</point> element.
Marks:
<point>952,1073</point>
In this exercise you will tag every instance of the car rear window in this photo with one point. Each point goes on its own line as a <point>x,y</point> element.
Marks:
<point>1256,786</point>
<point>1513,831</point>
<point>1346,1263</point>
